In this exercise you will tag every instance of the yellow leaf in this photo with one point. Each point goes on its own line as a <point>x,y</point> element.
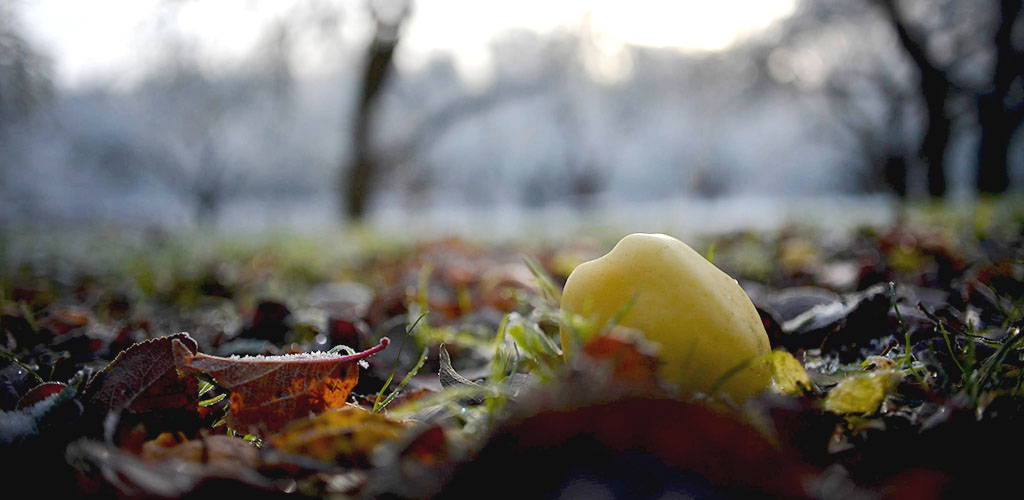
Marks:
<point>788,375</point>
<point>862,393</point>
<point>345,436</point>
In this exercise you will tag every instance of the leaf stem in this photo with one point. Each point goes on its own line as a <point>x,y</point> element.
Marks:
<point>384,342</point>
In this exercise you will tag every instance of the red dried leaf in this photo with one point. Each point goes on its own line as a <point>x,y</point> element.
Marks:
<point>626,444</point>
<point>631,360</point>
<point>143,378</point>
<point>430,448</point>
<point>39,393</point>
<point>268,392</point>
<point>61,321</point>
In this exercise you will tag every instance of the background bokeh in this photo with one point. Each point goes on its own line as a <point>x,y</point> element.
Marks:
<point>502,117</point>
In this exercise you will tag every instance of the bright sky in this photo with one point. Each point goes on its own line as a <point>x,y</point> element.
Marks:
<point>106,40</point>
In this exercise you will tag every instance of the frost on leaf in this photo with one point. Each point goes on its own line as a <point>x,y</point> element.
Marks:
<point>268,392</point>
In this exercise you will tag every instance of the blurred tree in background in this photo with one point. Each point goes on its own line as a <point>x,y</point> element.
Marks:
<point>336,107</point>
<point>25,73</point>
<point>909,79</point>
<point>363,169</point>
<point>1000,102</point>
<point>26,85</point>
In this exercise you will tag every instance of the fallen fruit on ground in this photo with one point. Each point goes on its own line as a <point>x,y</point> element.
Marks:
<point>710,336</point>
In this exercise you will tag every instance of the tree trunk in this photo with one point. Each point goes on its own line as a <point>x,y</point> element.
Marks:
<point>360,174</point>
<point>894,172</point>
<point>936,137</point>
<point>993,152</point>
<point>936,91</point>
<point>359,179</point>
<point>997,117</point>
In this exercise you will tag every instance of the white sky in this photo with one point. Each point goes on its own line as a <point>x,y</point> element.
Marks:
<point>106,40</point>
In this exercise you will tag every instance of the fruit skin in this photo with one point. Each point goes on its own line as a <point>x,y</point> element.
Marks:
<point>703,321</point>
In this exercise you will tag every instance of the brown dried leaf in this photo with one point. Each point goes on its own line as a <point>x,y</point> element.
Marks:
<point>268,392</point>
<point>224,452</point>
<point>143,378</point>
<point>448,377</point>
<point>124,474</point>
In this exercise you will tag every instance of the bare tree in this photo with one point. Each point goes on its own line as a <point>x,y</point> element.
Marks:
<point>965,61</point>
<point>25,80</point>
<point>361,171</point>
<point>861,86</point>
<point>936,91</point>
<point>985,29</point>
<point>25,87</point>
<point>1001,104</point>
<point>427,122</point>
<point>879,140</point>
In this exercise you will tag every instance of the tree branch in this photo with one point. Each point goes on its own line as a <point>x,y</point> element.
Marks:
<point>912,42</point>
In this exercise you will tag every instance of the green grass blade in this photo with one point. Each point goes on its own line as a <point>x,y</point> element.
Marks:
<point>377,403</point>
<point>551,292</point>
<point>21,365</point>
<point>412,373</point>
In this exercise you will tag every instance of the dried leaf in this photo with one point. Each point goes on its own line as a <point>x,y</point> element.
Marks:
<point>268,392</point>
<point>45,419</point>
<point>631,359</point>
<point>221,452</point>
<point>39,393</point>
<point>811,318</point>
<point>448,377</point>
<point>633,448</point>
<point>345,436</point>
<point>429,448</point>
<point>131,476</point>
<point>862,393</point>
<point>143,378</point>
<point>790,303</point>
<point>411,466</point>
<point>788,375</point>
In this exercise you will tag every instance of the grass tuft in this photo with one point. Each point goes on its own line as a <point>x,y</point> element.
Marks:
<point>381,402</point>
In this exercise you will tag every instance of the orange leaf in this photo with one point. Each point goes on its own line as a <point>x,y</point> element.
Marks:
<point>268,392</point>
